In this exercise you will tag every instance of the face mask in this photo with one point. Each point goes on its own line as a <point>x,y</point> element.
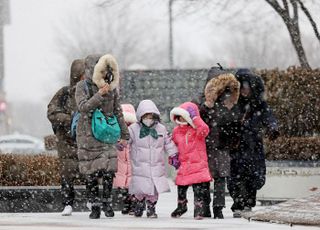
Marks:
<point>181,123</point>
<point>148,122</point>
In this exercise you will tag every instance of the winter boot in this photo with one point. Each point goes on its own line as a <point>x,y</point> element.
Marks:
<point>67,211</point>
<point>139,207</point>
<point>95,212</point>
<point>206,211</point>
<point>151,209</point>
<point>181,209</point>
<point>108,211</point>
<point>126,206</point>
<point>132,206</point>
<point>198,210</point>
<point>217,212</point>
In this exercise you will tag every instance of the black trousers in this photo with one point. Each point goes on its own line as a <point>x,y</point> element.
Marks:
<point>218,193</point>
<point>243,184</point>
<point>199,190</point>
<point>67,190</point>
<point>92,187</point>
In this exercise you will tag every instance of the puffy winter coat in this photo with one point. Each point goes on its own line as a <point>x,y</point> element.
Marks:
<point>224,124</point>
<point>191,143</point>
<point>93,154</point>
<point>60,110</point>
<point>257,116</point>
<point>123,175</point>
<point>147,155</point>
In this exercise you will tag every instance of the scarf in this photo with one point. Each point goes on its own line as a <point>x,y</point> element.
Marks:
<point>145,131</point>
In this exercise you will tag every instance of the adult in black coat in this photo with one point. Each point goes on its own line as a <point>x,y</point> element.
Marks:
<point>217,109</point>
<point>248,168</point>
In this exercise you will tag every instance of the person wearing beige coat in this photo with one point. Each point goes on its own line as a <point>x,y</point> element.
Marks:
<point>97,159</point>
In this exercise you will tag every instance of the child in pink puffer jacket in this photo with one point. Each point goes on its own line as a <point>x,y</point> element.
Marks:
<point>123,174</point>
<point>192,161</point>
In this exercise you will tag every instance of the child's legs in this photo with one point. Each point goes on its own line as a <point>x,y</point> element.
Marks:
<point>182,192</point>
<point>207,196</point>
<point>199,191</point>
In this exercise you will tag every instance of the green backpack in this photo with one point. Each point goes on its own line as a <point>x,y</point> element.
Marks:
<point>105,129</point>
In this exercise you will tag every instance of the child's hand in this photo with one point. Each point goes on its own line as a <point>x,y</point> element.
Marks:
<point>120,146</point>
<point>174,161</point>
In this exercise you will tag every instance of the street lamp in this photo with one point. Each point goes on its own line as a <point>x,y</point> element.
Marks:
<point>170,35</point>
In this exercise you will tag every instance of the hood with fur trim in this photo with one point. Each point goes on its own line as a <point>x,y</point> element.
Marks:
<point>146,106</point>
<point>89,63</point>
<point>218,85</point>
<point>182,111</point>
<point>129,113</point>
<point>76,72</point>
<point>101,70</point>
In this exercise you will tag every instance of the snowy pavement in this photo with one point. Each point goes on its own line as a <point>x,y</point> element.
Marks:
<point>166,205</point>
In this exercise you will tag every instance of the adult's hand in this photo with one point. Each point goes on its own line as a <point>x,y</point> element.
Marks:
<point>104,90</point>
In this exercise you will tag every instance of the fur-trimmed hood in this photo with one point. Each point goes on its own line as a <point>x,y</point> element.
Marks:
<point>129,113</point>
<point>182,111</point>
<point>218,85</point>
<point>101,70</point>
<point>76,72</point>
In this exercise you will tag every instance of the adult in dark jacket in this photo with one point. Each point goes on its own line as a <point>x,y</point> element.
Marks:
<point>219,113</point>
<point>60,110</point>
<point>248,168</point>
<point>97,159</point>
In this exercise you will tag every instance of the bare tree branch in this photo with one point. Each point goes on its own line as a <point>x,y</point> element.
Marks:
<point>310,18</point>
<point>285,4</point>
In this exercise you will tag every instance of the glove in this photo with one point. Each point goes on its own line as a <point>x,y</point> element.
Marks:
<point>274,134</point>
<point>174,161</point>
<point>192,112</point>
<point>120,146</point>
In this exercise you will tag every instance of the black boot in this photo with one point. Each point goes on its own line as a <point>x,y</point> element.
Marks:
<point>181,209</point>
<point>108,211</point>
<point>139,207</point>
<point>207,211</point>
<point>217,212</point>
<point>151,209</point>
<point>133,205</point>
<point>95,212</point>
<point>126,206</point>
<point>198,210</point>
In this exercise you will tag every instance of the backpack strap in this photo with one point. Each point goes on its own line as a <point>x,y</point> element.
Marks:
<point>88,90</point>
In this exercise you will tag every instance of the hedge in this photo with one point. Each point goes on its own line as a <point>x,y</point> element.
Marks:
<point>293,148</point>
<point>29,170</point>
<point>294,96</point>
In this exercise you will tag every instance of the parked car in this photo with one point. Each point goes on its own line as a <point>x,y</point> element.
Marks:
<point>21,144</point>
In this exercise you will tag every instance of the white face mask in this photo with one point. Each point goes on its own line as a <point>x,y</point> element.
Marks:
<point>148,122</point>
<point>181,123</point>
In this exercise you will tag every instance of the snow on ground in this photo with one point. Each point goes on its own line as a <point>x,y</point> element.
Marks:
<point>166,205</point>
